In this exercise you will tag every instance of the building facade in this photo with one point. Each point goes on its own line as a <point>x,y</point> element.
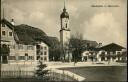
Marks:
<point>42,52</point>
<point>111,52</point>
<point>17,52</point>
<point>19,46</point>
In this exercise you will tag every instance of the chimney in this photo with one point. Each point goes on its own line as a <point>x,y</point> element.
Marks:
<point>12,22</point>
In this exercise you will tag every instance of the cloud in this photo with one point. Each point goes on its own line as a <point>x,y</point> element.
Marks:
<point>101,24</point>
<point>11,12</point>
<point>73,11</point>
<point>103,27</point>
<point>36,17</point>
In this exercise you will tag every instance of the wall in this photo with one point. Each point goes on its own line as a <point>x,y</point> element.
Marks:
<point>43,51</point>
<point>15,51</point>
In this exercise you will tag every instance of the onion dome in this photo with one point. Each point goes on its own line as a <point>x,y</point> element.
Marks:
<point>64,14</point>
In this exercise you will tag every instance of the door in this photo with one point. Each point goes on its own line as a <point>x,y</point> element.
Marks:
<point>4,58</point>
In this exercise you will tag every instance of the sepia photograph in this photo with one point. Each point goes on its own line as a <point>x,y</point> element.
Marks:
<point>63,40</point>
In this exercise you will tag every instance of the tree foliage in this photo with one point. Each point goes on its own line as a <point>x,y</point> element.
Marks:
<point>41,72</point>
<point>4,50</point>
<point>76,45</point>
<point>54,54</point>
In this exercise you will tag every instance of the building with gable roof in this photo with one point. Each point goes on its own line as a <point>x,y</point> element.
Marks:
<point>20,43</point>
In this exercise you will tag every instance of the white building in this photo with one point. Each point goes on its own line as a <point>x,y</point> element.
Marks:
<point>19,52</point>
<point>42,51</point>
<point>18,43</point>
<point>111,52</point>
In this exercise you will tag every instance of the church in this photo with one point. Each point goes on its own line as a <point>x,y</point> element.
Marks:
<point>65,35</point>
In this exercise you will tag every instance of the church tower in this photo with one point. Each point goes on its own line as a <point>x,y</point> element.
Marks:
<point>64,31</point>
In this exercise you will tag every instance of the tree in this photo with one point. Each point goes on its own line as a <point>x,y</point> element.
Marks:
<point>54,49</point>
<point>92,56</point>
<point>124,56</point>
<point>76,45</point>
<point>4,49</point>
<point>41,72</point>
<point>118,56</point>
<point>102,55</point>
<point>108,57</point>
<point>54,54</point>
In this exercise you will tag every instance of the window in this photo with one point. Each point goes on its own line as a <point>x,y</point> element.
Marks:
<point>118,52</point>
<point>11,57</point>
<point>88,45</point>
<point>4,45</point>
<point>3,33</point>
<point>111,53</point>
<point>66,25</point>
<point>38,46</point>
<point>45,59</point>
<point>41,47</point>
<point>86,53</point>
<point>38,57</point>
<point>26,54</point>
<point>12,47</point>
<point>41,58</point>
<point>29,47</point>
<point>21,57</point>
<point>103,53</point>
<point>30,58</point>
<point>20,46</point>
<point>45,53</point>
<point>41,53</point>
<point>10,33</point>
<point>45,48</point>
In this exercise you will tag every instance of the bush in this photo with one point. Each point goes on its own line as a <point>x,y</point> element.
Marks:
<point>41,72</point>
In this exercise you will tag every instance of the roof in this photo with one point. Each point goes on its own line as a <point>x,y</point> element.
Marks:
<point>54,41</point>
<point>25,34</point>
<point>5,22</point>
<point>64,14</point>
<point>50,41</point>
<point>28,34</point>
<point>90,43</point>
<point>112,47</point>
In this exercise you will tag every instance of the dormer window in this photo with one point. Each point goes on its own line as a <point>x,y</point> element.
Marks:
<point>10,33</point>
<point>3,33</point>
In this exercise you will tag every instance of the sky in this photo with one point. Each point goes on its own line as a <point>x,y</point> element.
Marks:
<point>104,21</point>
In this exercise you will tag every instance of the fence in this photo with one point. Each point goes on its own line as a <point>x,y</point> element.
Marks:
<point>17,74</point>
<point>56,76</point>
<point>52,75</point>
